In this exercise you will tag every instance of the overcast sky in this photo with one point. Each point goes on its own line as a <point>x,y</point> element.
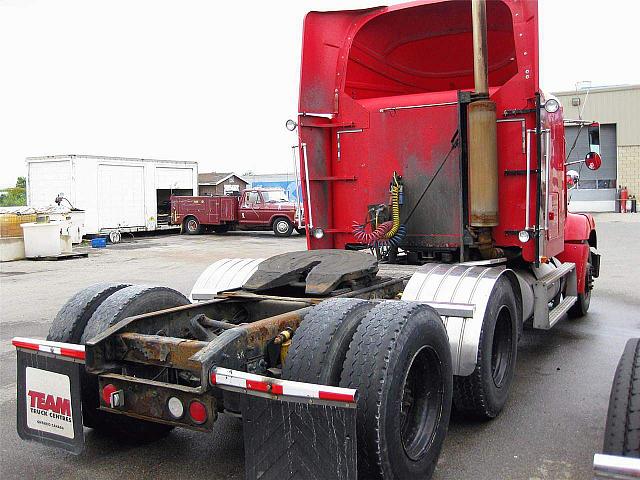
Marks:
<point>215,81</point>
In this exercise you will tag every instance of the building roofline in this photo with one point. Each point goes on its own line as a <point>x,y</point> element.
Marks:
<point>613,88</point>
<point>105,157</point>
<point>222,179</point>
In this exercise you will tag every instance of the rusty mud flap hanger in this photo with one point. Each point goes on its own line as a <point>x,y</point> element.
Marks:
<point>295,429</point>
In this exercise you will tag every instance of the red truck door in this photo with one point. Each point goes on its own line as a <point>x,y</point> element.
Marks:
<point>250,206</point>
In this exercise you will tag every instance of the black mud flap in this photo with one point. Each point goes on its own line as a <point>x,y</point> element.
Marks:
<point>290,440</point>
<point>48,402</point>
<point>595,264</point>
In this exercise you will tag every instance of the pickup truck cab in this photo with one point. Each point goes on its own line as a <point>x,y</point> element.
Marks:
<point>253,209</point>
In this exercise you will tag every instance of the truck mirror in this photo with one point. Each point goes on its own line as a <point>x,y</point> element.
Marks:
<point>593,161</point>
<point>572,178</point>
<point>291,125</point>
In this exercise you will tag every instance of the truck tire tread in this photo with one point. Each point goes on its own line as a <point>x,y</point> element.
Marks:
<point>319,345</point>
<point>127,300</point>
<point>370,368</point>
<point>72,318</point>
<point>581,307</point>
<point>476,395</point>
<point>622,431</point>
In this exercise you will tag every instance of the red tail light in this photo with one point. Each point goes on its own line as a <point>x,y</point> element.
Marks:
<point>107,391</point>
<point>198,412</point>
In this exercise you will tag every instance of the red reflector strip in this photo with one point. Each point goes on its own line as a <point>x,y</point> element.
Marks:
<point>258,386</point>
<point>286,390</point>
<point>337,397</point>
<point>20,344</point>
<point>72,353</point>
<point>69,350</point>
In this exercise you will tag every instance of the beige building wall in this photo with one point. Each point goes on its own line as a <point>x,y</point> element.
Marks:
<point>619,105</point>
<point>629,168</point>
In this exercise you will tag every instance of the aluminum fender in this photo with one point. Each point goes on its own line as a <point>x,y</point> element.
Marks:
<point>470,284</point>
<point>222,275</point>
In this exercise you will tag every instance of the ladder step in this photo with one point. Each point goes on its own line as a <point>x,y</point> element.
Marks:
<point>562,308</point>
<point>557,274</point>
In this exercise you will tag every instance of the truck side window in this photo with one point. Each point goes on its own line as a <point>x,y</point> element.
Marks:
<point>252,198</point>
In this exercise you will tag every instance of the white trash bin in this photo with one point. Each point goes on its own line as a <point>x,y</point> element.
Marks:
<point>45,239</point>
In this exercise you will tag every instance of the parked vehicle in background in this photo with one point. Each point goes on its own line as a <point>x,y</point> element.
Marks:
<point>253,209</point>
<point>117,194</point>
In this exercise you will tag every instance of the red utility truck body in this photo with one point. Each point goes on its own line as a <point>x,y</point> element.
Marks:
<point>253,209</point>
<point>208,210</point>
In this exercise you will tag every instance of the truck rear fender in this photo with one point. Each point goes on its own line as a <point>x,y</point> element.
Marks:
<point>224,274</point>
<point>436,284</point>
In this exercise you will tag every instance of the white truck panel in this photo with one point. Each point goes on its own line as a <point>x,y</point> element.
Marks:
<point>47,180</point>
<point>113,191</point>
<point>121,193</point>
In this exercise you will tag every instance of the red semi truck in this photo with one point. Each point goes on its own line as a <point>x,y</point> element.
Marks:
<point>434,182</point>
<point>254,209</point>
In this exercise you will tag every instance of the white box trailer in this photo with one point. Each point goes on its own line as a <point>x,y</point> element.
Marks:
<point>116,193</point>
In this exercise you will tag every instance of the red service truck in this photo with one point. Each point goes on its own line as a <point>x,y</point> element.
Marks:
<point>254,209</point>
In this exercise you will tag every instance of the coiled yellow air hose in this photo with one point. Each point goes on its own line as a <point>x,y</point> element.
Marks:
<point>395,207</point>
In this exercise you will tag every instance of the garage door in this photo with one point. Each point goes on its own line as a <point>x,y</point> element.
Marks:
<point>597,189</point>
<point>174,178</point>
<point>120,196</point>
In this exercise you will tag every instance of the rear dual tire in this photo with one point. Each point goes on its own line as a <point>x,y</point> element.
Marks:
<point>396,354</point>
<point>72,318</point>
<point>400,363</point>
<point>90,312</point>
<point>321,341</point>
<point>484,393</point>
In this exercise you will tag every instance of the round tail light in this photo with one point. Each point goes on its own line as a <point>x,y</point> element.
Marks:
<point>176,408</point>
<point>107,391</point>
<point>198,412</point>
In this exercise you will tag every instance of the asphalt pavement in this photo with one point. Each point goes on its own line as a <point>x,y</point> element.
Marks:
<point>550,429</point>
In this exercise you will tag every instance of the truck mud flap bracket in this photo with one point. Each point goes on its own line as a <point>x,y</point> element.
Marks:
<point>293,429</point>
